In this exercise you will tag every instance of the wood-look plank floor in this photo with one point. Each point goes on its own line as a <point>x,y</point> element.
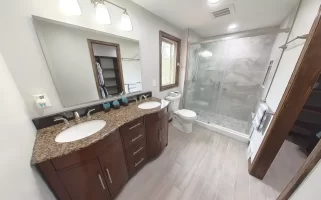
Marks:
<point>198,166</point>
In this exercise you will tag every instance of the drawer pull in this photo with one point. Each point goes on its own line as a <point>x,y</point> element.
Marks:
<point>136,137</point>
<point>109,177</point>
<point>141,160</point>
<point>134,126</point>
<point>141,148</point>
<point>101,182</point>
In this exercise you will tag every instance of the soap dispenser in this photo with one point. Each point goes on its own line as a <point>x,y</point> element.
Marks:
<point>124,100</point>
<point>116,104</point>
<point>106,106</point>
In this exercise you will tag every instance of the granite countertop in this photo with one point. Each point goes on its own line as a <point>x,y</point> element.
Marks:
<point>46,148</point>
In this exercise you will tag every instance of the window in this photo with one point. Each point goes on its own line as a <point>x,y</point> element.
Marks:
<point>169,51</point>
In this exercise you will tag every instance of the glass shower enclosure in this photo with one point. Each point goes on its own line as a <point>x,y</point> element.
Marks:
<point>224,79</point>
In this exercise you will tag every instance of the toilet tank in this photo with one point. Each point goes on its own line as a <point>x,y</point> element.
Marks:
<point>174,102</point>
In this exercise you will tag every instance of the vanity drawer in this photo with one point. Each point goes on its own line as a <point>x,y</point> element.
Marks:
<point>137,163</point>
<point>135,150</point>
<point>156,116</point>
<point>133,138</point>
<point>133,126</point>
<point>86,154</point>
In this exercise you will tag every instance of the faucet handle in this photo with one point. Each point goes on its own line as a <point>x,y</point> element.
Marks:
<point>62,119</point>
<point>135,98</point>
<point>144,96</point>
<point>77,117</point>
<point>88,113</point>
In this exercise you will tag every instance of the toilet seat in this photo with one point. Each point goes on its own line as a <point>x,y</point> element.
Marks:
<point>186,114</point>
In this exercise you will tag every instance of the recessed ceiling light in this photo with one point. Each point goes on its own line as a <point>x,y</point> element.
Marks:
<point>206,54</point>
<point>214,1</point>
<point>232,26</point>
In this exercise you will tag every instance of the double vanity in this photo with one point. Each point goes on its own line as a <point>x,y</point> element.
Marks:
<point>99,165</point>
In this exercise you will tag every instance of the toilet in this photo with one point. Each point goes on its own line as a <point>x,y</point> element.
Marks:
<point>182,119</point>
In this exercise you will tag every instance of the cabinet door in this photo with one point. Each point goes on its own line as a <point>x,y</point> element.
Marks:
<point>114,167</point>
<point>164,131</point>
<point>85,182</point>
<point>153,136</point>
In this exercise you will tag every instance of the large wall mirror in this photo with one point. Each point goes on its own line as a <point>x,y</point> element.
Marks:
<point>87,65</point>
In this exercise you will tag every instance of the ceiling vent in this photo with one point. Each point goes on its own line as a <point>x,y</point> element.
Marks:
<point>223,12</point>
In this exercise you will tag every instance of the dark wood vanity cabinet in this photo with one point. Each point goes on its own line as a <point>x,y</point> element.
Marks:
<point>134,139</point>
<point>114,168</point>
<point>101,170</point>
<point>157,133</point>
<point>85,182</point>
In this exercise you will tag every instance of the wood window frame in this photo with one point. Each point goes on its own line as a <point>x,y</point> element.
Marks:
<point>304,76</point>
<point>162,35</point>
<point>93,61</point>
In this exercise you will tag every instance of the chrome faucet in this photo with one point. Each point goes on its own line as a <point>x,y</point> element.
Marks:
<point>77,118</point>
<point>88,114</point>
<point>62,119</point>
<point>143,97</point>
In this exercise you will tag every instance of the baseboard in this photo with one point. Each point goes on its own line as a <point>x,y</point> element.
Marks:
<point>225,131</point>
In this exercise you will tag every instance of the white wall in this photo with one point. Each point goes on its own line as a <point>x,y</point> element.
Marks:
<point>276,51</point>
<point>310,187</point>
<point>18,179</point>
<point>302,25</point>
<point>21,49</point>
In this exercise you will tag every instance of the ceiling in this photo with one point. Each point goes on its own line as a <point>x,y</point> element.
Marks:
<point>196,14</point>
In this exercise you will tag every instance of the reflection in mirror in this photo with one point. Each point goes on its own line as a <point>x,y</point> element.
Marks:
<point>107,67</point>
<point>87,65</point>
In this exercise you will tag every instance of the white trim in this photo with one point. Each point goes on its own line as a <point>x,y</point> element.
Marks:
<point>225,131</point>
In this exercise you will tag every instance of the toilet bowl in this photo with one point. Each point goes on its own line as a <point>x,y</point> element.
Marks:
<point>182,119</point>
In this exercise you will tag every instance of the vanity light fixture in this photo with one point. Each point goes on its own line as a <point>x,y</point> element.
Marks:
<point>70,7</point>
<point>232,26</point>
<point>103,16</point>
<point>214,1</point>
<point>126,24</point>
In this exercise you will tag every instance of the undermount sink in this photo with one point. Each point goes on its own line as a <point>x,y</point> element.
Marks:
<point>80,131</point>
<point>149,105</point>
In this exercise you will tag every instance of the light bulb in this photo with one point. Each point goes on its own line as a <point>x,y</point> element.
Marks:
<point>70,7</point>
<point>126,24</point>
<point>102,14</point>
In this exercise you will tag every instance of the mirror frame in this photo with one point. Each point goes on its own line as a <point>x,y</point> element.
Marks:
<point>93,61</point>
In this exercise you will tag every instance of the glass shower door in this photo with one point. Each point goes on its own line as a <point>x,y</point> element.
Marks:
<point>245,67</point>
<point>204,80</point>
<point>224,80</point>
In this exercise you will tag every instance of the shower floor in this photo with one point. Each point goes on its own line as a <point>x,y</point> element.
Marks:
<point>222,120</point>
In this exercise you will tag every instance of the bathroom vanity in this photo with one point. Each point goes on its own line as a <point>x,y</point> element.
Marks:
<point>98,167</point>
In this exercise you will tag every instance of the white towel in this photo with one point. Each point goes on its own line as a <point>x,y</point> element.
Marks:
<point>259,118</point>
<point>100,74</point>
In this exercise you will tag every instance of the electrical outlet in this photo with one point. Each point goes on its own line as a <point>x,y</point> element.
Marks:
<point>154,83</point>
